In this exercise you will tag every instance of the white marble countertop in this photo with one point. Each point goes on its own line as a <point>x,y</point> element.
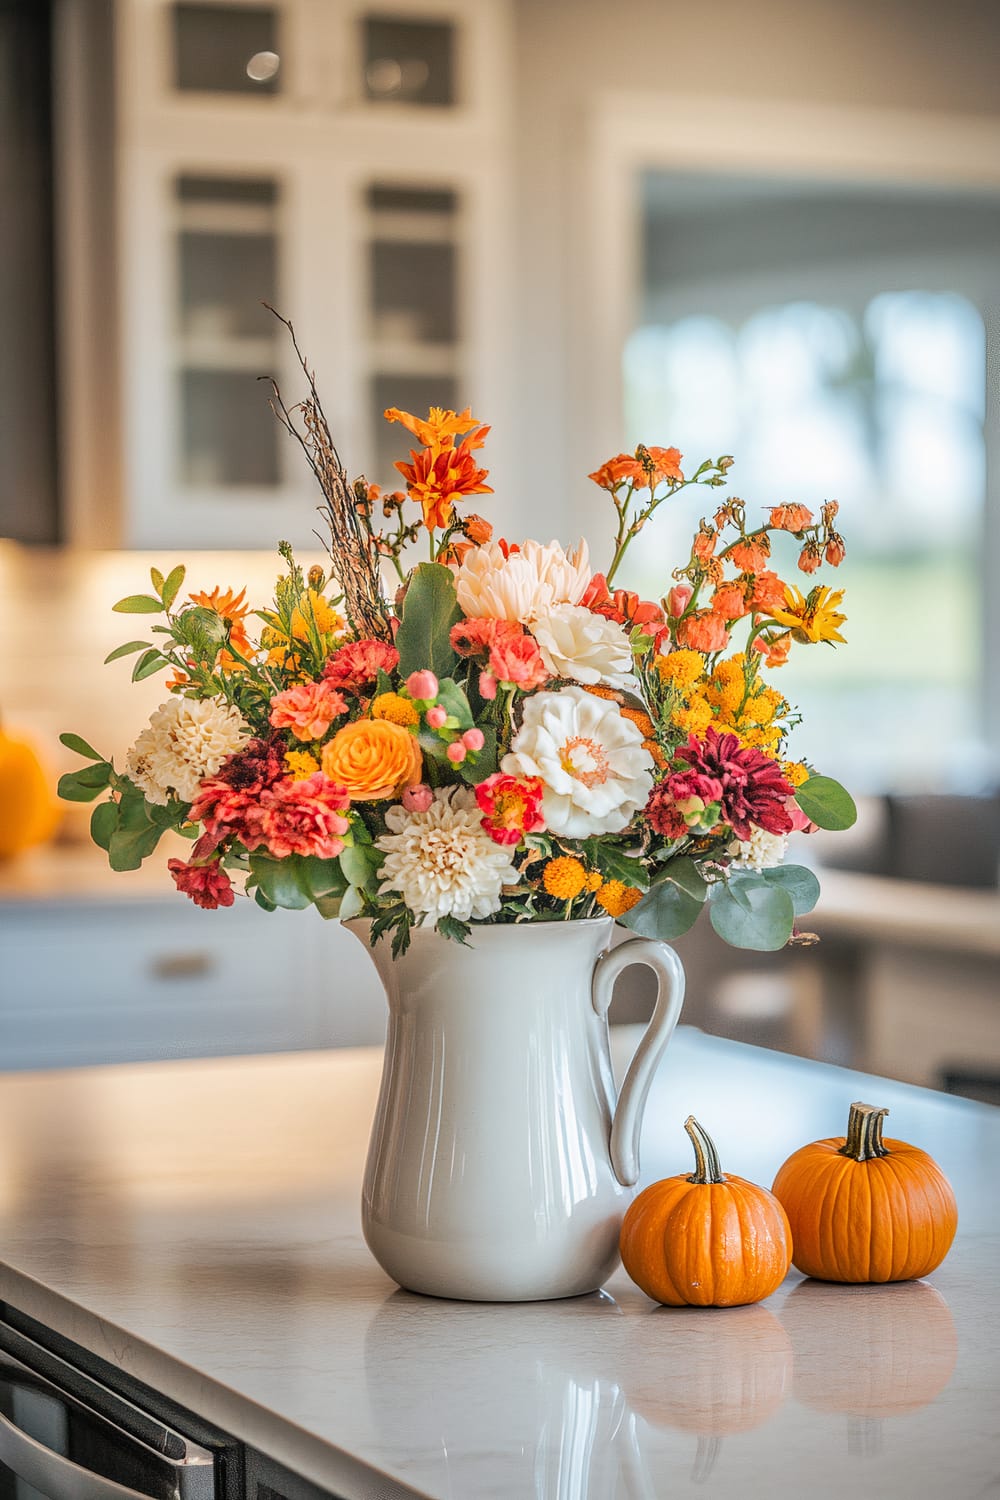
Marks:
<point>196,1224</point>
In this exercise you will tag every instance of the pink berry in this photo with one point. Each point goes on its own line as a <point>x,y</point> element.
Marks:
<point>422,685</point>
<point>473,739</point>
<point>456,753</point>
<point>487,686</point>
<point>436,716</point>
<point>417,799</point>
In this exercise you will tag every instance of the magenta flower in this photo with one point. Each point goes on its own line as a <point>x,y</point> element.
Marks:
<point>754,792</point>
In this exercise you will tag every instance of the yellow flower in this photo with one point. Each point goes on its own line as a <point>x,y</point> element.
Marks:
<point>617,898</point>
<point>727,686</point>
<point>764,706</point>
<point>300,765</point>
<point>395,708</point>
<point>794,771</point>
<point>681,669</point>
<point>812,618</point>
<point>696,718</point>
<point>313,606</point>
<point>594,881</point>
<point>564,878</point>
<point>373,759</point>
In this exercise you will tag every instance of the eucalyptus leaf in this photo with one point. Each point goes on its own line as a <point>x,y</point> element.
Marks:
<point>85,785</point>
<point>430,609</point>
<point>138,604</point>
<point>666,912</point>
<point>826,803</point>
<point>128,847</point>
<point>80,747</point>
<point>360,863</point>
<point>800,883</point>
<point>281,881</point>
<point>685,874</point>
<point>322,877</point>
<point>767,925</point>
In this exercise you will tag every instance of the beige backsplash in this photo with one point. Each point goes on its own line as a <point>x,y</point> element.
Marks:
<point>59,627</point>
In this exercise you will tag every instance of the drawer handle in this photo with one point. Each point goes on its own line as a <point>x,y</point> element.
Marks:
<point>182,966</point>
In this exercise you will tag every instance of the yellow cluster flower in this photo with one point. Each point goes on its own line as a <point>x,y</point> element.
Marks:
<point>617,898</point>
<point>314,607</point>
<point>794,771</point>
<point>726,687</point>
<point>765,705</point>
<point>300,765</point>
<point>681,669</point>
<point>564,878</point>
<point>594,881</point>
<point>694,719</point>
<point>395,708</point>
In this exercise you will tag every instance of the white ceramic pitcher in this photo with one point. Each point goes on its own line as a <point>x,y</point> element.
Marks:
<point>499,1166</point>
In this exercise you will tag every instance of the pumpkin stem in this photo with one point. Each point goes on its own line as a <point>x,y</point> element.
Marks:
<point>707,1167</point>
<point>864,1133</point>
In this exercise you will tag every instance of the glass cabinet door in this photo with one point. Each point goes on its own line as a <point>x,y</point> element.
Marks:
<point>414,314</point>
<point>226,49</point>
<point>407,60</point>
<point>227,266</point>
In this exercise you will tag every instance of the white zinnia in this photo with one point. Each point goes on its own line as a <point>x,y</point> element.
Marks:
<point>524,584</point>
<point>594,768</point>
<point>186,740</point>
<point>576,643</point>
<point>442,862</point>
<point>761,851</point>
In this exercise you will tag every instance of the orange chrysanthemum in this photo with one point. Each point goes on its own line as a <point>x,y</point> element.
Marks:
<point>441,427</point>
<point>439,475</point>
<point>232,608</point>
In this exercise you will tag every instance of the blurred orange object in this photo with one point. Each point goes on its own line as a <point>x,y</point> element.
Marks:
<point>29,812</point>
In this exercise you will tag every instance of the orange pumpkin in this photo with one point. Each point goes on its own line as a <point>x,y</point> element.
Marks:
<point>706,1240</point>
<point>29,812</point>
<point>866,1209</point>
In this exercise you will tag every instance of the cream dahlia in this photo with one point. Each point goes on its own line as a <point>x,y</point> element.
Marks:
<point>442,862</point>
<point>185,741</point>
<point>520,584</point>
<point>591,761</point>
<point>584,646</point>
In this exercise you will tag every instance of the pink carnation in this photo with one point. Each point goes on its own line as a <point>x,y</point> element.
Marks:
<point>208,885</point>
<point>685,784</point>
<point>516,659</point>
<point>304,817</point>
<point>358,663</point>
<point>308,709</point>
<point>229,812</point>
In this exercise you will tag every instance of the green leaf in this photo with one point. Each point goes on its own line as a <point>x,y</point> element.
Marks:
<point>453,700</point>
<point>614,864</point>
<point>138,604</point>
<point>152,661</point>
<point>324,878</point>
<point>128,847</point>
<point>429,611</point>
<point>103,822</point>
<point>85,785</point>
<point>171,588</point>
<point>485,763</point>
<point>451,927</point>
<point>129,649</point>
<point>329,907</point>
<point>800,883</point>
<point>766,927</point>
<point>685,874</point>
<point>826,803</point>
<point>281,881</point>
<point>262,901</point>
<point>360,863</point>
<point>156,579</point>
<point>667,912</point>
<point>80,747</point>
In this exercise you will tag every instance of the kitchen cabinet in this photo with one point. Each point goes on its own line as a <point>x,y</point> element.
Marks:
<point>346,163</point>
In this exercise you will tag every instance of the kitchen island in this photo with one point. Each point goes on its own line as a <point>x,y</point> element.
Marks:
<point>195,1225</point>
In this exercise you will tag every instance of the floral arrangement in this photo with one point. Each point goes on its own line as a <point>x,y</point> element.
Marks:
<point>508,738</point>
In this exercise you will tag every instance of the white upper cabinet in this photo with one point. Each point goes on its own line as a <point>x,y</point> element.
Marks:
<point>346,164</point>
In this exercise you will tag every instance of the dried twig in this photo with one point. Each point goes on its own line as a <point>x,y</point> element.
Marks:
<point>352,554</point>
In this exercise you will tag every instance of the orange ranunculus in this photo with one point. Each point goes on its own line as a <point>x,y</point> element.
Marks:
<point>666,463</point>
<point>437,475</point>
<point>768,590</point>
<point>729,601</point>
<point>374,759</point>
<point>234,609</point>
<point>751,554</point>
<point>441,427</point>
<point>623,469</point>
<point>703,631</point>
<point>791,517</point>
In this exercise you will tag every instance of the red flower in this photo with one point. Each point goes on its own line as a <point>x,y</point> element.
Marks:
<point>703,631</point>
<point>791,517</point>
<point>835,549</point>
<point>810,557</point>
<point>304,817</point>
<point>768,591</point>
<point>358,663</point>
<point>516,659</point>
<point>307,709</point>
<point>623,605</point>
<point>754,791</point>
<point>511,806</point>
<point>662,814</point>
<point>729,602</point>
<point>751,554</point>
<point>666,463</point>
<point>477,635</point>
<point>685,784</point>
<point>208,885</point>
<point>228,803</point>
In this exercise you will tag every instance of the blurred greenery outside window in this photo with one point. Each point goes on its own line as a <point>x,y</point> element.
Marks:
<point>880,406</point>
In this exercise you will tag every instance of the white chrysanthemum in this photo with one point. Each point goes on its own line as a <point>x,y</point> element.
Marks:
<point>576,643</point>
<point>761,851</point>
<point>186,740</point>
<point>590,760</point>
<point>443,862</point>
<point>523,585</point>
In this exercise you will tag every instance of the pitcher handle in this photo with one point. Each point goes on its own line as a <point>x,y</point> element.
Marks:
<point>669,972</point>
